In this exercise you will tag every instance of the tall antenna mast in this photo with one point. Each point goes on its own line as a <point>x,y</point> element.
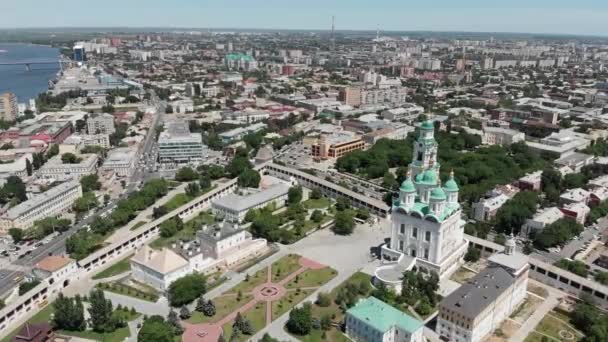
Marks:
<point>333,32</point>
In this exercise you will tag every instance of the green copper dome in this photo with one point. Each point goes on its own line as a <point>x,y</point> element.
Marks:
<point>428,124</point>
<point>429,177</point>
<point>438,194</point>
<point>451,185</point>
<point>407,186</point>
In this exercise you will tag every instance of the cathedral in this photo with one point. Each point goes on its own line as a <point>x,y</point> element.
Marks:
<point>427,229</point>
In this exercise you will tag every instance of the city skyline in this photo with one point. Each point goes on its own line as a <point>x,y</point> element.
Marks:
<point>547,17</point>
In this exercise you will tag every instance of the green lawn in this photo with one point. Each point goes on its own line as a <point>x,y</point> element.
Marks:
<point>312,278</point>
<point>285,266</point>
<point>551,326</point>
<point>122,266</point>
<point>43,315</point>
<point>320,203</point>
<point>257,318</point>
<point>224,305</point>
<point>126,290</point>
<point>258,278</point>
<point>286,303</point>
<point>177,201</point>
<point>138,224</point>
<point>188,233</point>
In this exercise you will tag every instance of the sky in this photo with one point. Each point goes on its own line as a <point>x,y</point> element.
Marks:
<point>589,17</point>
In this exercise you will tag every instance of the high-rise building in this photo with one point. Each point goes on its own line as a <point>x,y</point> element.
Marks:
<point>427,228</point>
<point>101,124</point>
<point>8,107</point>
<point>177,146</point>
<point>79,53</point>
<point>351,95</point>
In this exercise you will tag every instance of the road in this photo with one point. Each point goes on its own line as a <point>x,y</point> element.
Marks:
<point>57,245</point>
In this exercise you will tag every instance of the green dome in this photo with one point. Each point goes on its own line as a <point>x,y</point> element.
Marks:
<point>407,186</point>
<point>438,194</point>
<point>429,177</point>
<point>451,185</point>
<point>428,124</point>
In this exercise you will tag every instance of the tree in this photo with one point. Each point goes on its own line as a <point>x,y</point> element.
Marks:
<point>316,194</point>
<point>249,178</point>
<point>70,158</point>
<point>238,165</point>
<point>342,204</point>
<point>500,239</point>
<point>317,216</point>
<point>473,254</point>
<point>69,313</point>
<point>268,338</point>
<point>186,289</point>
<point>52,151</point>
<point>173,320</point>
<point>344,223</point>
<point>16,234</point>
<point>85,203</point>
<point>155,329</point>
<point>184,313</point>
<point>209,308</point>
<point>242,324</point>
<point>294,195</point>
<point>90,183</point>
<point>576,266</point>
<point>13,189</point>
<point>557,233</point>
<point>100,311</point>
<point>159,211</point>
<point>193,189</point>
<point>204,181</point>
<point>186,174</point>
<point>323,299</point>
<point>28,167</point>
<point>300,320</point>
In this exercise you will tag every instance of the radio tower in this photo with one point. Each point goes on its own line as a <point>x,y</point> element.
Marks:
<point>333,32</point>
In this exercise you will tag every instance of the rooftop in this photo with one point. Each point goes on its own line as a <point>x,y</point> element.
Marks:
<point>53,263</point>
<point>382,316</point>
<point>163,261</point>
<point>475,295</point>
<point>241,203</point>
<point>40,199</point>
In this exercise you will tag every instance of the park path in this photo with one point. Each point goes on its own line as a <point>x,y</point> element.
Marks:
<point>530,324</point>
<point>209,332</point>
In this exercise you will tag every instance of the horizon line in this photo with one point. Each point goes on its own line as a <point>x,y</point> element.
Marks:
<point>596,35</point>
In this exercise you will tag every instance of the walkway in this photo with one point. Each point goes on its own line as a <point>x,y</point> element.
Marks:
<point>530,324</point>
<point>268,292</point>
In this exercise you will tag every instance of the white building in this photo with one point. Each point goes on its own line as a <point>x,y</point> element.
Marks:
<point>55,169</point>
<point>372,320</point>
<point>427,228</point>
<point>561,144</point>
<point>216,247</point>
<point>178,147</point>
<point>239,132</point>
<point>56,270</point>
<point>16,168</point>
<point>540,220</point>
<point>485,209</point>
<point>407,111</point>
<point>54,202</point>
<point>121,161</point>
<point>80,141</point>
<point>479,306</point>
<point>247,116</point>
<point>501,136</point>
<point>234,208</point>
<point>100,124</point>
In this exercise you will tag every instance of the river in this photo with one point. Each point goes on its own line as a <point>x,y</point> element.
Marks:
<point>16,79</point>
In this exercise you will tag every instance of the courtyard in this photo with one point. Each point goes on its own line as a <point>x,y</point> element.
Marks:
<point>260,298</point>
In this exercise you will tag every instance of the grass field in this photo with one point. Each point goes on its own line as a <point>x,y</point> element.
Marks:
<point>320,203</point>
<point>552,325</point>
<point>286,303</point>
<point>312,278</point>
<point>138,224</point>
<point>258,278</point>
<point>257,318</point>
<point>129,291</point>
<point>223,306</point>
<point>120,267</point>
<point>285,266</point>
